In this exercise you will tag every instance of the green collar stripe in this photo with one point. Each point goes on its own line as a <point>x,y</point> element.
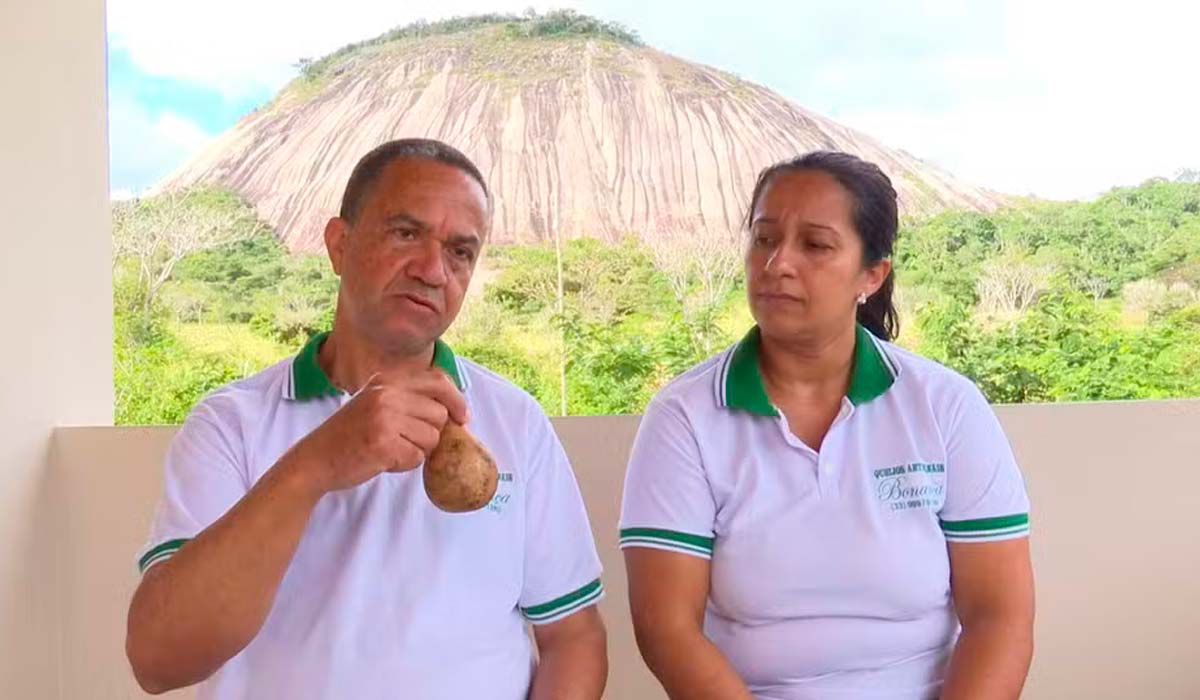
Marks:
<point>309,381</point>
<point>744,386</point>
<point>443,357</point>
<point>873,373</point>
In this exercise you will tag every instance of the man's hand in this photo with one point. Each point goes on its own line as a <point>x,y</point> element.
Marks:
<point>197,610</point>
<point>392,424</point>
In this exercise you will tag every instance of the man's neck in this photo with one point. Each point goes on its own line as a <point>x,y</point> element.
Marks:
<point>350,360</point>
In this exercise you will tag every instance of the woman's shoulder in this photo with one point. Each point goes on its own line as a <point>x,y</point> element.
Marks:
<point>930,377</point>
<point>697,385</point>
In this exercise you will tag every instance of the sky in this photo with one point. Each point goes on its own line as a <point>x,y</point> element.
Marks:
<point>1061,99</point>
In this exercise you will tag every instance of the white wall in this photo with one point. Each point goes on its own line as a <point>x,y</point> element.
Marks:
<point>55,299</point>
<point>1113,487</point>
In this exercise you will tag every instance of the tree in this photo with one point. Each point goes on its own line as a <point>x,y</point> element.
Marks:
<point>572,286</point>
<point>1009,285</point>
<point>1191,175</point>
<point>701,268</point>
<point>158,232</point>
<point>1097,287</point>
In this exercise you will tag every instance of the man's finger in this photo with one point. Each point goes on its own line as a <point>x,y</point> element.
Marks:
<point>421,407</point>
<point>433,383</point>
<point>441,388</point>
<point>418,433</point>
<point>406,457</point>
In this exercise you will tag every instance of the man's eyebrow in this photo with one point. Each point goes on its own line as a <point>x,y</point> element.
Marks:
<point>464,239</point>
<point>406,218</point>
<point>470,239</point>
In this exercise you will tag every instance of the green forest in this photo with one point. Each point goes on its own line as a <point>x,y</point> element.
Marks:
<point>1037,302</point>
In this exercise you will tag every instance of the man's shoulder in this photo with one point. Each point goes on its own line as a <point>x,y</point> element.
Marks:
<point>494,387</point>
<point>249,395</point>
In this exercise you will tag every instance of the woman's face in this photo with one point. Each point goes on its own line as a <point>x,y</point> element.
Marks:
<point>804,267</point>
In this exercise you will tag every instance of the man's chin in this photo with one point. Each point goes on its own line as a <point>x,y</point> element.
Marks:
<point>406,336</point>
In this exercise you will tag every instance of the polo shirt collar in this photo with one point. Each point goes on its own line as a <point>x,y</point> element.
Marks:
<point>309,381</point>
<point>741,382</point>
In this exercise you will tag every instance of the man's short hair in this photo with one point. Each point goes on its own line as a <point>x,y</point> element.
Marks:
<point>366,173</point>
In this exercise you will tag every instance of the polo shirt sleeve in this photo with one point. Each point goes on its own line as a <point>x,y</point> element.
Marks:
<point>985,494</point>
<point>202,479</point>
<point>562,569</point>
<point>668,503</point>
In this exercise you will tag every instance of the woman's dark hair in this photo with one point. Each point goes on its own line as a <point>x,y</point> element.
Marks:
<point>876,218</point>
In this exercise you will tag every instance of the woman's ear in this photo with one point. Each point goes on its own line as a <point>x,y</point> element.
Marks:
<point>876,275</point>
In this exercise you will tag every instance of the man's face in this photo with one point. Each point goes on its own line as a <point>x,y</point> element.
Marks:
<point>407,260</point>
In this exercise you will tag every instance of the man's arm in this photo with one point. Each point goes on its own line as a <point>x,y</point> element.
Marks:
<point>196,610</point>
<point>992,584</point>
<point>572,658</point>
<point>668,592</point>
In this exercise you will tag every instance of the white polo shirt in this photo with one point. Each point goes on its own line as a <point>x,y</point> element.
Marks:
<point>387,596</point>
<point>830,574</point>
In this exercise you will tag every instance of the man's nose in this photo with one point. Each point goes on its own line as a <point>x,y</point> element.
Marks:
<point>428,264</point>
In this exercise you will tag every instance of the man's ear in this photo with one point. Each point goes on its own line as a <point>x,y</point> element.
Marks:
<point>336,232</point>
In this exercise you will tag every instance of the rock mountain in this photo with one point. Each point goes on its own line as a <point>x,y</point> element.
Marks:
<point>586,132</point>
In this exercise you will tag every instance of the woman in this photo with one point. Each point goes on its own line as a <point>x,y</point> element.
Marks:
<point>817,513</point>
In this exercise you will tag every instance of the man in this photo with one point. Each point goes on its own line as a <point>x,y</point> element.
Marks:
<point>295,553</point>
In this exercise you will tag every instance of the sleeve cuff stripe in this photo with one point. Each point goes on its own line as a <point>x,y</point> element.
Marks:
<point>992,535</point>
<point>986,524</point>
<point>580,604</point>
<point>682,538</point>
<point>668,545</point>
<point>143,568</point>
<point>559,604</point>
<point>157,554</point>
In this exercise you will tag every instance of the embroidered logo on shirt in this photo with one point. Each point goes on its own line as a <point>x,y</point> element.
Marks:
<point>909,486</point>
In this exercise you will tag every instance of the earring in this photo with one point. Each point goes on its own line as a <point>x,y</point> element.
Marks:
<point>862,298</point>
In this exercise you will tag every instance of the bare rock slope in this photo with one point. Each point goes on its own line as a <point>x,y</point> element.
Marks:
<point>579,135</point>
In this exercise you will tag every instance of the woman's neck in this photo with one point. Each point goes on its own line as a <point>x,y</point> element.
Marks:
<point>813,366</point>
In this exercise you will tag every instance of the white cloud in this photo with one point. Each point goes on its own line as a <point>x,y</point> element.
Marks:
<point>243,47</point>
<point>1075,98</point>
<point>146,147</point>
<point>1105,96</point>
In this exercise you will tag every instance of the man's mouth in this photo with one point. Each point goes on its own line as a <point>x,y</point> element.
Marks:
<point>420,301</point>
